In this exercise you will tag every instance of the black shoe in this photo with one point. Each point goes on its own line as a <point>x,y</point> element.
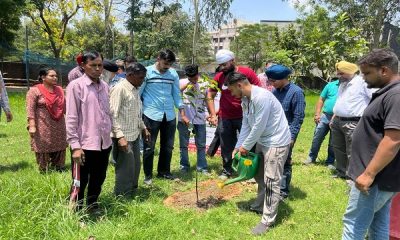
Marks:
<point>168,176</point>
<point>255,210</point>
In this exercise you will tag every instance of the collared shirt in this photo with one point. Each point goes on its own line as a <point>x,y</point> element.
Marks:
<point>264,121</point>
<point>88,118</point>
<point>126,111</point>
<point>196,113</point>
<point>75,73</point>
<point>292,99</point>
<point>380,115</point>
<point>329,95</point>
<point>353,97</point>
<point>116,79</point>
<point>160,92</point>
<point>4,104</point>
<point>265,83</point>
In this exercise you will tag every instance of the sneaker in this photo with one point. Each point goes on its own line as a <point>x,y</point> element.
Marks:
<point>204,172</point>
<point>331,167</point>
<point>148,181</point>
<point>184,169</point>
<point>225,175</point>
<point>167,176</point>
<point>260,229</point>
<point>309,161</point>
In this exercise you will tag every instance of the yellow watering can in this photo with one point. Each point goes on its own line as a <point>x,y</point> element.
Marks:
<point>245,166</point>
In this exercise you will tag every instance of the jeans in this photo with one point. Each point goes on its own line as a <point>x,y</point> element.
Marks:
<point>287,174</point>
<point>367,213</point>
<point>167,136</point>
<point>200,140</point>
<point>321,130</point>
<point>229,129</point>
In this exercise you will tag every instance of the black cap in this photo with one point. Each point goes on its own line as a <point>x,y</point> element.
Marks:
<point>110,66</point>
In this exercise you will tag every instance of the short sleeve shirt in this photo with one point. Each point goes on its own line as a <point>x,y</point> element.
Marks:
<point>381,114</point>
<point>230,107</point>
<point>329,94</point>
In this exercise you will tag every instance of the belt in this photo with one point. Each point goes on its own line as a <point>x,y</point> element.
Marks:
<point>354,119</point>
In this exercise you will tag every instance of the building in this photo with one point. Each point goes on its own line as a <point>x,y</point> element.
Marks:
<point>278,23</point>
<point>222,38</point>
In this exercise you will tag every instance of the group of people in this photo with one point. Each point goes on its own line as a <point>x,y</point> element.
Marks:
<point>117,107</point>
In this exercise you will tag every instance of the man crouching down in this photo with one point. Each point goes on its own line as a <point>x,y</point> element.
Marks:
<point>264,123</point>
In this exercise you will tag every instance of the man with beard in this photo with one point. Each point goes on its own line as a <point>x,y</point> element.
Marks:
<point>353,97</point>
<point>160,93</point>
<point>375,160</point>
<point>230,112</point>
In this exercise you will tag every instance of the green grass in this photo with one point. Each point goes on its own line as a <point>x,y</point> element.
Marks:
<point>33,206</point>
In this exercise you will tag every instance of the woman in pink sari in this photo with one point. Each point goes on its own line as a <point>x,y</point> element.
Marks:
<point>395,218</point>
<point>45,107</point>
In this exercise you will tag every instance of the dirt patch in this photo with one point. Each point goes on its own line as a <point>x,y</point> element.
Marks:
<point>210,195</point>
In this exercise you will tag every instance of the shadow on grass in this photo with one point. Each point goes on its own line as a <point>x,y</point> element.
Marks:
<point>3,135</point>
<point>13,167</point>
<point>284,210</point>
<point>296,193</point>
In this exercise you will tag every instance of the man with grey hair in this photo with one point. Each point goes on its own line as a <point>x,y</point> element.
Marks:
<point>127,125</point>
<point>375,160</point>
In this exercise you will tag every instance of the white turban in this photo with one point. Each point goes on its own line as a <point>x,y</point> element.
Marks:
<point>224,56</point>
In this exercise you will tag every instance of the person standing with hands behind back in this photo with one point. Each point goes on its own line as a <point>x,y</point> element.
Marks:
<point>126,110</point>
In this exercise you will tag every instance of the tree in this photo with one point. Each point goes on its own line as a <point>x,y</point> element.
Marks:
<point>368,15</point>
<point>53,16</point>
<point>10,13</point>
<point>210,13</point>
<point>252,42</point>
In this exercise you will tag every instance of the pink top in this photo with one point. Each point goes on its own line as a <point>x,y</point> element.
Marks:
<point>88,118</point>
<point>395,217</point>
<point>264,82</point>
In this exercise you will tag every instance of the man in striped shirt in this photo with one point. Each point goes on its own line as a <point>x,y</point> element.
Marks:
<point>127,125</point>
<point>160,94</point>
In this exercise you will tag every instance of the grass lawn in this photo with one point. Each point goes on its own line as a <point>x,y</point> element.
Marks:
<point>34,206</point>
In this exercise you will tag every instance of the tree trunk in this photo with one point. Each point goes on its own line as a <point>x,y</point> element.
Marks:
<point>195,31</point>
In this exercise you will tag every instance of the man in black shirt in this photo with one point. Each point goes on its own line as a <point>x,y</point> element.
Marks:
<point>375,158</point>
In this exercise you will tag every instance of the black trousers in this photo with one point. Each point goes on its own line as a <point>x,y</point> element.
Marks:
<point>214,145</point>
<point>93,173</point>
<point>167,136</point>
<point>229,130</point>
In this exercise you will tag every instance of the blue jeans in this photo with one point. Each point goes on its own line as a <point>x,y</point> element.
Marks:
<point>200,140</point>
<point>321,130</point>
<point>367,213</point>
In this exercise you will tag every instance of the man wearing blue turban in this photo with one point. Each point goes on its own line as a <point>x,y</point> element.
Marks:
<point>292,99</point>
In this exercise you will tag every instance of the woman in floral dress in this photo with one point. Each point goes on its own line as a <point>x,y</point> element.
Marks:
<point>45,107</point>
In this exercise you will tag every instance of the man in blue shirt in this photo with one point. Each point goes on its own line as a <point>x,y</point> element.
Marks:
<point>292,99</point>
<point>325,103</point>
<point>160,93</point>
